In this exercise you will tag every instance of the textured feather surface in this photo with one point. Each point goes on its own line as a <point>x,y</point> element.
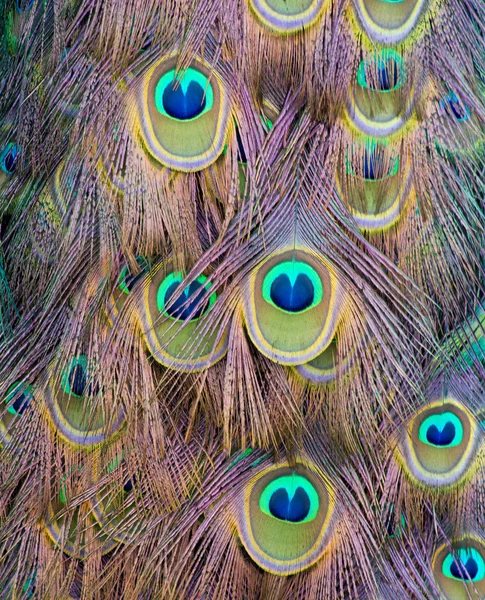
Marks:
<point>242,299</point>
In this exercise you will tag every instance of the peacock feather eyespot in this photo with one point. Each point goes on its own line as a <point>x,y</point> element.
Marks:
<point>17,401</point>
<point>287,16</point>
<point>459,568</point>
<point>292,306</point>
<point>183,116</point>
<point>381,99</point>
<point>440,445</point>
<point>454,107</point>
<point>75,378</point>
<point>389,21</point>
<point>284,518</point>
<point>293,287</point>
<point>382,72</point>
<point>176,320</point>
<point>127,280</point>
<point>19,397</point>
<point>75,406</point>
<point>190,305</point>
<point>9,158</point>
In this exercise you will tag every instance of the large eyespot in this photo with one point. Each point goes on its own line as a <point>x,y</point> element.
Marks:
<point>183,117</point>
<point>284,518</point>
<point>459,569</point>
<point>16,403</point>
<point>374,183</point>
<point>291,307</point>
<point>9,158</point>
<point>382,99</point>
<point>287,16</point>
<point>440,443</point>
<point>175,320</point>
<point>388,21</point>
<point>75,405</point>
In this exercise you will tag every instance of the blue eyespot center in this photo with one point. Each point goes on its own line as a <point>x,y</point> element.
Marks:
<point>465,564</point>
<point>290,498</point>
<point>442,430</point>
<point>467,571</point>
<point>76,379</point>
<point>188,305</point>
<point>185,96</point>
<point>184,105</point>
<point>381,72</point>
<point>454,108</point>
<point>293,509</point>
<point>24,5</point>
<point>292,286</point>
<point>443,437</point>
<point>128,485</point>
<point>292,297</point>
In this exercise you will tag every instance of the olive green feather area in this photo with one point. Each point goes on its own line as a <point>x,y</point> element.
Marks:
<point>286,17</point>
<point>389,21</point>
<point>78,406</point>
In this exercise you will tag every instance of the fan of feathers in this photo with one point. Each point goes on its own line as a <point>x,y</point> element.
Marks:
<point>242,299</point>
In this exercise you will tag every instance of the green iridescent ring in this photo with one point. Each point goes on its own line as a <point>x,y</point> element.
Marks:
<point>14,390</point>
<point>381,59</point>
<point>440,421</point>
<point>292,270</point>
<point>176,278</point>
<point>185,78</point>
<point>290,484</point>
<point>81,361</point>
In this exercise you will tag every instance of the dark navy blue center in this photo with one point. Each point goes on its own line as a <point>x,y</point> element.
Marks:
<point>78,382</point>
<point>23,5</point>
<point>183,106</point>
<point>10,160</point>
<point>128,485</point>
<point>241,154</point>
<point>372,164</point>
<point>441,438</point>
<point>294,510</point>
<point>383,76</point>
<point>293,298</point>
<point>190,300</point>
<point>455,109</point>
<point>21,403</point>
<point>467,571</point>
<point>131,280</point>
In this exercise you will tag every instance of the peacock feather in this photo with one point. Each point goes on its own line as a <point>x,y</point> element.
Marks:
<point>242,299</point>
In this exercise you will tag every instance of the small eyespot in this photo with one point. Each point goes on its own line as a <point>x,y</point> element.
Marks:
<point>190,304</point>
<point>127,280</point>
<point>293,287</point>
<point>455,108</point>
<point>18,398</point>
<point>381,72</point>
<point>9,158</point>
<point>76,379</point>
<point>24,5</point>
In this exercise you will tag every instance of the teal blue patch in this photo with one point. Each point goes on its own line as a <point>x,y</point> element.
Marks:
<point>439,424</point>
<point>290,483</point>
<point>293,270</point>
<point>377,62</point>
<point>468,559</point>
